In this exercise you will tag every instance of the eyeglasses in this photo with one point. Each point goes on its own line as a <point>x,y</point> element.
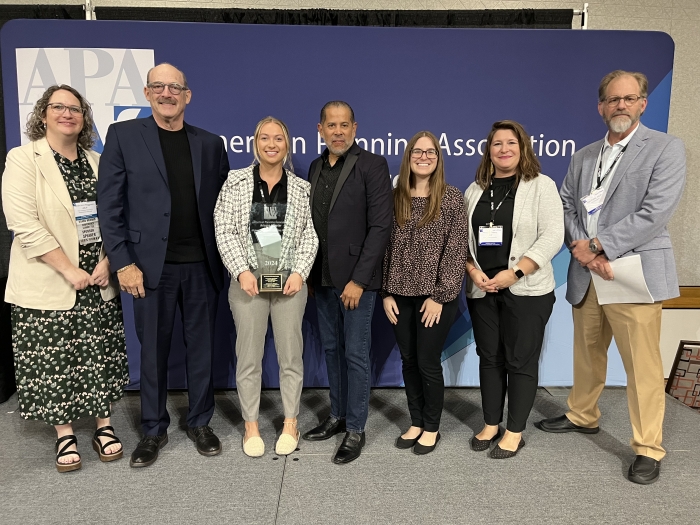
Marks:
<point>158,87</point>
<point>418,153</point>
<point>60,108</point>
<point>630,100</point>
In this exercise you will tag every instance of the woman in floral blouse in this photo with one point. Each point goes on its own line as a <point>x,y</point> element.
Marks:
<point>423,274</point>
<point>68,334</point>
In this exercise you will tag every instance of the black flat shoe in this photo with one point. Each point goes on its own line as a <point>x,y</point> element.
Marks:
<point>146,451</point>
<point>406,443</point>
<point>99,447</point>
<point>421,450</point>
<point>479,445</point>
<point>68,440</point>
<point>350,448</point>
<point>644,470</point>
<point>562,424</point>
<point>499,453</point>
<point>205,439</point>
<point>329,428</point>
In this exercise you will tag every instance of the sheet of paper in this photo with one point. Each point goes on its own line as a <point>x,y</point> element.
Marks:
<point>268,235</point>
<point>628,284</point>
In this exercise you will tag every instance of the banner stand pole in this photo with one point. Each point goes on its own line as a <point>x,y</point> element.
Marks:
<point>89,10</point>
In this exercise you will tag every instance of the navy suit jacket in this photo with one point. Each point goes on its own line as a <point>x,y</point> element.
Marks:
<point>133,196</point>
<point>359,220</point>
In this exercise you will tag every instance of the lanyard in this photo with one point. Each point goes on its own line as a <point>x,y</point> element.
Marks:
<point>600,165</point>
<point>494,210</point>
<point>275,192</point>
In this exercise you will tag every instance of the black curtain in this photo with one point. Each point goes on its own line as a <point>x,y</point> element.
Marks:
<point>501,18</point>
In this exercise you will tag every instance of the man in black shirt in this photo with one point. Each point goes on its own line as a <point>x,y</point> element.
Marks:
<point>159,179</point>
<point>352,209</point>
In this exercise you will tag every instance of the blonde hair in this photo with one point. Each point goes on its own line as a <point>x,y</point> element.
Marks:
<point>287,164</point>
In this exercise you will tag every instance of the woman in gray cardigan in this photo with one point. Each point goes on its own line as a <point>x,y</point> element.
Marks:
<point>516,228</point>
<point>268,244</point>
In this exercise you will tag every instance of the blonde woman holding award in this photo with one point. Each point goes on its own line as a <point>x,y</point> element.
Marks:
<point>268,244</point>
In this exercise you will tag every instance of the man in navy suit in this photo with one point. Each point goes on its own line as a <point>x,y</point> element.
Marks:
<point>352,209</point>
<point>159,179</point>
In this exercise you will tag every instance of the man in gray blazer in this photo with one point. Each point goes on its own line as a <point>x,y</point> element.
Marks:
<point>619,195</point>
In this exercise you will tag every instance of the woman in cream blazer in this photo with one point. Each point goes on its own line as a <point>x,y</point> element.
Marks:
<point>516,227</point>
<point>68,334</point>
<point>268,197</point>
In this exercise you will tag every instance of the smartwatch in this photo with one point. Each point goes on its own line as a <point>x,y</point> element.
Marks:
<point>518,272</point>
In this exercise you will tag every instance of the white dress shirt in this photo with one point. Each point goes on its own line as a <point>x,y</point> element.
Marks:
<point>609,153</point>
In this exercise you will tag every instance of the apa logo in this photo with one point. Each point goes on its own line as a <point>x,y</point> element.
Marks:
<point>112,80</point>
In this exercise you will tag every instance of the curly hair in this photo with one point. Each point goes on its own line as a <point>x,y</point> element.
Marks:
<point>528,167</point>
<point>36,129</point>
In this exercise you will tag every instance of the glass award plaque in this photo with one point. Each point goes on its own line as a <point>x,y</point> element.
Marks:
<point>270,278</point>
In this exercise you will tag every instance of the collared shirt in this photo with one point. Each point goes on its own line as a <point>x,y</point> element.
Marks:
<point>608,154</point>
<point>268,208</point>
<point>323,193</point>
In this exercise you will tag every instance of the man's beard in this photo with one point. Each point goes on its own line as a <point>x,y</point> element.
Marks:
<point>621,123</point>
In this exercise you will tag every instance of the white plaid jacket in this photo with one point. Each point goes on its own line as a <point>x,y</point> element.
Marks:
<point>232,225</point>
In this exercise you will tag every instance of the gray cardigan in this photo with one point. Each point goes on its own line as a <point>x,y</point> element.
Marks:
<point>538,233</point>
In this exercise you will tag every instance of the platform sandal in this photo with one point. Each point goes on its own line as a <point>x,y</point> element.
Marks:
<point>68,440</point>
<point>100,448</point>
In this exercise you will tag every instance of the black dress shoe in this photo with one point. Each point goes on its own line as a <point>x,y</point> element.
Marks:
<point>207,442</point>
<point>407,443</point>
<point>329,428</point>
<point>479,445</point>
<point>644,470</point>
<point>421,450</point>
<point>146,451</point>
<point>500,453</point>
<point>350,448</point>
<point>563,424</point>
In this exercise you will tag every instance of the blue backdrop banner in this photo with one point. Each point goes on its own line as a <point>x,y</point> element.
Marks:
<point>453,82</point>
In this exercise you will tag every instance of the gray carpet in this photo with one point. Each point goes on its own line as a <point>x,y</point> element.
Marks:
<point>556,479</point>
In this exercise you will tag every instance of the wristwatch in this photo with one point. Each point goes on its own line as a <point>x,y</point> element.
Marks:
<point>593,246</point>
<point>518,272</point>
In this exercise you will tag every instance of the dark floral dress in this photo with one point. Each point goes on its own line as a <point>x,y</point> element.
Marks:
<point>71,363</point>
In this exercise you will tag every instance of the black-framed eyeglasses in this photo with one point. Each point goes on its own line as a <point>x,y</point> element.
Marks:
<point>417,153</point>
<point>60,108</point>
<point>630,100</point>
<point>175,88</point>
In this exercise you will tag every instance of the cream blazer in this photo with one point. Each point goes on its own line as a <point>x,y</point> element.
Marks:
<point>538,233</point>
<point>39,211</point>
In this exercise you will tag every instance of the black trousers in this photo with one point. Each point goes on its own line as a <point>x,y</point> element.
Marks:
<point>190,287</point>
<point>421,349</point>
<point>509,330</point>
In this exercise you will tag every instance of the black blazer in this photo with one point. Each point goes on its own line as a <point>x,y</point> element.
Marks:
<point>359,220</point>
<point>133,197</point>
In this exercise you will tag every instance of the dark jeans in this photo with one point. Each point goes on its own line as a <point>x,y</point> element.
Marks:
<point>346,336</point>
<point>509,330</point>
<point>421,351</point>
<point>190,287</point>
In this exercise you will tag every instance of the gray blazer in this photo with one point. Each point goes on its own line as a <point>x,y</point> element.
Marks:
<point>644,192</point>
<point>538,231</point>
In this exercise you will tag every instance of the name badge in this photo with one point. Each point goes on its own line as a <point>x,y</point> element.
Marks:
<point>490,235</point>
<point>269,212</point>
<point>594,201</point>
<point>87,223</point>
